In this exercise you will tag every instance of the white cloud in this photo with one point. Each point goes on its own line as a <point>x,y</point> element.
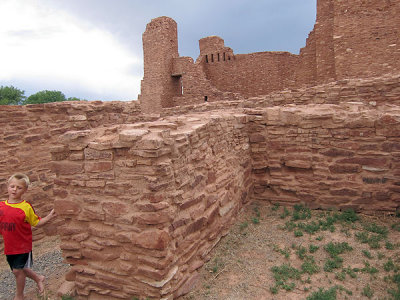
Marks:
<point>41,44</point>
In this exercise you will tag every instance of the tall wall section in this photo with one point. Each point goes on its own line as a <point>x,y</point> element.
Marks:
<point>160,47</point>
<point>366,38</point>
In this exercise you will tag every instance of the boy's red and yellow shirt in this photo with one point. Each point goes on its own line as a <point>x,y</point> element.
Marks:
<point>16,220</point>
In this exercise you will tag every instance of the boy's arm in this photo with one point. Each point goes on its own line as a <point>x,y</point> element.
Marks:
<point>46,219</point>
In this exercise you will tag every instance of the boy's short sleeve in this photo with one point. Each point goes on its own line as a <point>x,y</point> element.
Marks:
<point>31,217</point>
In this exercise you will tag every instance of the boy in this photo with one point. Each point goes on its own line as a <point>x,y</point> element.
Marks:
<point>16,218</point>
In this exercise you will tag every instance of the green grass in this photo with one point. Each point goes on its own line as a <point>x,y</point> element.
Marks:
<point>323,294</point>
<point>284,276</point>
<point>309,266</point>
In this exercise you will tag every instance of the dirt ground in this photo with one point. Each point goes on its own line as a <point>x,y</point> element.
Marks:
<point>264,238</point>
<point>43,250</point>
<point>240,265</point>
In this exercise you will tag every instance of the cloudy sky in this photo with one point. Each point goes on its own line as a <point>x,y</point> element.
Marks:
<point>92,49</point>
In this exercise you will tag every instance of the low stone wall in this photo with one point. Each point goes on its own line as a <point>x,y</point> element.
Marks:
<point>327,156</point>
<point>143,204</point>
<point>27,132</point>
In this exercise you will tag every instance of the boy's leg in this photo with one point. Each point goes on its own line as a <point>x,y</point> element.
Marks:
<point>20,281</point>
<point>39,279</point>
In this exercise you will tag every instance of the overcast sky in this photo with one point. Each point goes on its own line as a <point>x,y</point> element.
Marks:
<point>92,49</point>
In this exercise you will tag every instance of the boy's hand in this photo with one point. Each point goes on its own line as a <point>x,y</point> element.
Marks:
<point>47,218</point>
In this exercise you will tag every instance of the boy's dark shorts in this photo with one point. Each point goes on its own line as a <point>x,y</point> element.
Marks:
<point>20,261</point>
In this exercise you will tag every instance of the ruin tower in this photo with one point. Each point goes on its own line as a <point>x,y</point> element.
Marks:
<point>160,47</point>
<point>325,53</point>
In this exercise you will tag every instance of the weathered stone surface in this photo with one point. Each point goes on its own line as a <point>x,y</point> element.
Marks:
<point>66,207</point>
<point>66,167</point>
<point>156,239</point>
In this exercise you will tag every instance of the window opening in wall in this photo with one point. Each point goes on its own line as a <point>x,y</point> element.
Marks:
<point>218,56</point>
<point>229,58</point>
<point>206,58</point>
<point>212,57</point>
<point>205,98</point>
<point>224,56</point>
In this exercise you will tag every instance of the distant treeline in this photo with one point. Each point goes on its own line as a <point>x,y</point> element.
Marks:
<point>10,95</point>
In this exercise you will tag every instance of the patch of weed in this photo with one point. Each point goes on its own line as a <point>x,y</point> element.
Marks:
<point>298,233</point>
<point>381,255</point>
<point>389,245</point>
<point>310,267</point>
<point>396,226</point>
<point>301,252</point>
<point>351,272</point>
<point>285,213</point>
<point>301,213</point>
<point>323,294</point>
<point>313,248</point>
<point>334,263</point>
<point>285,252</point>
<point>367,254</point>
<point>367,292</point>
<point>372,240</point>
<point>275,207</point>
<point>290,225</point>
<point>282,275</point>
<point>340,275</point>
<point>244,225</point>
<point>372,227</point>
<point>348,216</point>
<point>368,269</point>
<point>335,249</point>
<point>390,266</point>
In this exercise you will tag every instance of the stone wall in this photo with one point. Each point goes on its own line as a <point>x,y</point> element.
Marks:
<point>366,38</point>
<point>143,204</point>
<point>27,133</point>
<point>350,39</point>
<point>253,74</point>
<point>160,47</point>
<point>327,156</point>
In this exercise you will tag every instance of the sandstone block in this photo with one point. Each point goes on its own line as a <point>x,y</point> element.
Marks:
<point>66,167</point>
<point>154,239</point>
<point>98,166</point>
<point>66,207</point>
<point>342,169</point>
<point>152,218</point>
<point>115,209</point>
<point>93,154</point>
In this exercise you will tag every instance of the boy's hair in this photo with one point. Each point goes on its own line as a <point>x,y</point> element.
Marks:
<point>20,176</point>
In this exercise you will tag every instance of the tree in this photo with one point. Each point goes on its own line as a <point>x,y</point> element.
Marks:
<point>75,99</point>
<point>10,95</point>
<point>45,97</point>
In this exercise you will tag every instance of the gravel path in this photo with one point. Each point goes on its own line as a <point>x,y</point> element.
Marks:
<point>47,264</point>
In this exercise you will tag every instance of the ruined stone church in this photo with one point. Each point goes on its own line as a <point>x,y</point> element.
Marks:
<point>145,189</point>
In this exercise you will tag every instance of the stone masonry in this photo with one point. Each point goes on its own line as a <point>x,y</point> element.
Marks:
<point>144,190</point>
<point>350,39</point>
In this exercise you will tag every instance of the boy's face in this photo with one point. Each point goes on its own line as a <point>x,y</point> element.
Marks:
<point>16,188</point>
